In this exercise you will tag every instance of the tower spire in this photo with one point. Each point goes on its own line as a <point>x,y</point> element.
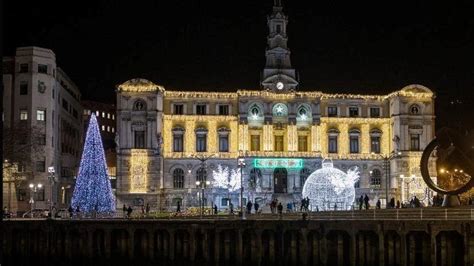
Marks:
<point>278,75</point>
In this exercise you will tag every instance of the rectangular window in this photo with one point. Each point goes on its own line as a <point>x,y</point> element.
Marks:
<point>23,68</point>
<point>415,142</point>
<point>255,143</point>
<point>42,69</point>
<point>74,113</point>
<point>178,142</point>
<point>40,115</point>
<point>39,195</point>
<point>278,143</point>
<point>66,105</point>
<point>108,115</point>
<point>374,112</point>
<point>353,111</point>
<point>201,144</point>
<point>23,114</point>
<point>302,143</point>
<point>375,144</point>
<point>108,128</point>
<point>224,143</point>
<point>103,128</point>
<point>113,117</point>
<point>103,114</point>
<point>332,144</point>
<point>113,130</point>
<point>332,111</point>
<point>24,88</point>
<point>40,166</point>
<point>354,144</point>
<point>223,110</point>
<point>178,109</point>
<point>139,139</point>
<point>278,28</point>
<point>201,109</point>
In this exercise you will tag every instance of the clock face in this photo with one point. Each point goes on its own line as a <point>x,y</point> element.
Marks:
<point>280,86</point>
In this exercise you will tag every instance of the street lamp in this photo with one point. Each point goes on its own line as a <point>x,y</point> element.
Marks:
<point>202,185</point>
<point>51,178</point>
<point>34,188</point>
<point>387,159</point>
<point>241,165</point>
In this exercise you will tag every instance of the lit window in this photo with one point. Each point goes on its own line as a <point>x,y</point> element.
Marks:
<point>23,114</point>
<point>375,178</point>
<point>302,143</point>
<point>97,113</point>
<point>88,112</point>
<point>40,115</point>
<point>178,178</point>
<point>113,117</point>
<point>103,128</point>
<point>113,129</point>
<point>108,128</point>
<point>255,143</point>
<point>103,114</point>
<point>108,115</point>
<point>278,143</point>
<point>85,111</point>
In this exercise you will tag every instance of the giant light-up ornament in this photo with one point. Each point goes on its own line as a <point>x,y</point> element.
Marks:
<point>329,188</point>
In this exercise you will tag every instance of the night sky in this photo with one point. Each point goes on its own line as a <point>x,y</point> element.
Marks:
<point>195,45</point>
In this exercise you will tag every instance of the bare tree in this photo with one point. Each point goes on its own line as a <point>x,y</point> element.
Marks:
<point>22,146</point>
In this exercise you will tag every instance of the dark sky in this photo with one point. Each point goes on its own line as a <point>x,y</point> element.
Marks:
<point>336,47</point>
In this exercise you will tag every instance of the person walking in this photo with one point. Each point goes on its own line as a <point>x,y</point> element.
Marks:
<point>378,204</point>
<point>215,209</point>
<point>361,202</point>
<point>129,211</point>
<point>124,211</point>
<point>280,208</point>
<point>231,208</point>
<point>249,207</point>
<point>78,212</point>
<point>71,211</point>
<point>256,206</point>
<point>178,207</point>
<point>147,209</point>
<point>366,202</point>
<point>398,204</point>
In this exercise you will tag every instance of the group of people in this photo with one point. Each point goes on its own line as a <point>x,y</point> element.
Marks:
<point>255,205</point>
<point>304,204</point>
<point>127,211</point>
<point>276,206</point>
<point>363,200</point>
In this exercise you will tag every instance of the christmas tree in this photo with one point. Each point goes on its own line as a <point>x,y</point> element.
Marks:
<point>93,191</point>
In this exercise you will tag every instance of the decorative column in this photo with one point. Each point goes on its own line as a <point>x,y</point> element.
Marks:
<point>304,247</point>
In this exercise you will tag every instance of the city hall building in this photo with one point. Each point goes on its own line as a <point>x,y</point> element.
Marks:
<point>167,140</point>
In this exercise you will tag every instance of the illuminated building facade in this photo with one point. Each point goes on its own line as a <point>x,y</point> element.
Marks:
<point>171,139</point>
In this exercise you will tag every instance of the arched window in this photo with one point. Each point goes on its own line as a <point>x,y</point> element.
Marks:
<point>304,173</point>
<point>201,175</point>
<point>255,177</point>
<point>255,111</point>
<point>354,140</point>
<point>375,178</point>
<point>332,140</point>
<point>414,109</point>
<point>280,109</point>
<point>139,105</point>
<point>178,178</point>
<point>375,140</point>
<point>201,140</point>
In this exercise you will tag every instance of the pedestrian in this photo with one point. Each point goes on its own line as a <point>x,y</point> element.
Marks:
<point>280,208</point>
<point>392,203</point>
<point>129,211</point>
<point>215,209</point>
<point>378,204</point>
<point>366,202</point>
<point>249,207</point>
<point>398,204</point>
<point>335,206</point>
<point>302,204</point>
<point>143,211</point>
<point>307,204</point>
<point>124,211</point>
<point>147,209</point>
<point>178,207</point>
<point>273,206</point>
<point>256,206</point>
<point>288,207</point>
<point>361,202</point>
<point>231,208</point>
<point>71,211</point>
<point>78,212</point>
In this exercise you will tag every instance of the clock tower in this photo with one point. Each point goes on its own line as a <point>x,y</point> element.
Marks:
<point>278,75</point>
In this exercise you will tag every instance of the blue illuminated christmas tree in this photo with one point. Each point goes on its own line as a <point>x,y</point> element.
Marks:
<point>93,191</point>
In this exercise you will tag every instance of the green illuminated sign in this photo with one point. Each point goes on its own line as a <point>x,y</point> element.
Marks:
<point>278,163</point>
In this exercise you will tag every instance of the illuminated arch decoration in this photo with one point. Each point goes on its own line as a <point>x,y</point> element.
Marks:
<point>255,111</point>
<point>280,110</point>
<point>329,188</point>
<point>304,113</point>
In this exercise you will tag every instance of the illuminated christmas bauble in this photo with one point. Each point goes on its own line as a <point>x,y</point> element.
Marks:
<point>329,188</point>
